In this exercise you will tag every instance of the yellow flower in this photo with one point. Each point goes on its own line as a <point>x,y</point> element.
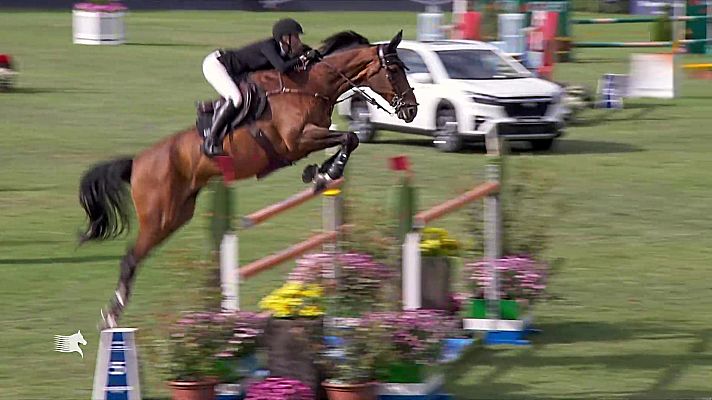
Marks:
<point>311,311</point>
<point>435,231</point>
<point>313,291</point>
<point>294,303</point>
<point>281,313</point>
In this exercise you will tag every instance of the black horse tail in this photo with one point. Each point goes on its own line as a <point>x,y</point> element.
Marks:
<point>103,195</point>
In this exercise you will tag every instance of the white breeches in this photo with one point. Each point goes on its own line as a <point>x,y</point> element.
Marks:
<point>217,75</point>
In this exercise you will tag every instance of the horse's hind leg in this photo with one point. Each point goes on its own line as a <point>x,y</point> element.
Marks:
<point>160,213</point>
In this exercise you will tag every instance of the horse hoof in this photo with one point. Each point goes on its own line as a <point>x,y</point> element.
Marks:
<point>108,321</point>
<point>309,173</point>
<point>320,182</point>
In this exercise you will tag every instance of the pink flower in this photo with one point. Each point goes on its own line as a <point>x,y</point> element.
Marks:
<point>93,7</point>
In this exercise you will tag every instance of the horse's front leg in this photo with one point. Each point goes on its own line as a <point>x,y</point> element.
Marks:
<point>333,168</point>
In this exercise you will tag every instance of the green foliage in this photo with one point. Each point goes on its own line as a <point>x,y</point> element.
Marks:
<point>194,343</point>
<point>363,345</point>
<point>489,27</point>
<point>529,209</point>
<point>661,28</point>
<point>617,7</point>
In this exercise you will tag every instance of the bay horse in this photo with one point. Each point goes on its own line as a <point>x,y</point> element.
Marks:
<point>165,179</point>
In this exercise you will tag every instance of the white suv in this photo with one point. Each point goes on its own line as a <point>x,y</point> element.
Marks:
<point>463,87</point>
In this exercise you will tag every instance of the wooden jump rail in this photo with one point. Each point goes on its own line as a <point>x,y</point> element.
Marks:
<point>424,217</point>
<point>270,211</point>
<point>230,271</point>
<point>289,253</point>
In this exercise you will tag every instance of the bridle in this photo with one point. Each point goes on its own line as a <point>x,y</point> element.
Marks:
<point>386,61</point>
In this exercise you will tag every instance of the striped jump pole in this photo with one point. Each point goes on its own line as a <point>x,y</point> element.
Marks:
<point>637,44</point>
<point>634,20</point>
<point>621,44</point>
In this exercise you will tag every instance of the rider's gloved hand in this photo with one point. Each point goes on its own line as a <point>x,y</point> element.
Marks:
<point>312,55</point>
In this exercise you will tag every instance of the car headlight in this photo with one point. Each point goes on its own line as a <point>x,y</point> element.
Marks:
<point>483,99</point>
<point>556,97</point>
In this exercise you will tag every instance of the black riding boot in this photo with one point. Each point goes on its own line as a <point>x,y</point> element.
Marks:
<point>212,145</point>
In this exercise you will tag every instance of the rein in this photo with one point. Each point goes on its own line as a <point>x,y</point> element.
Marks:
<point>283,89</point>
<point>355,87</point>
<point>385,61</point>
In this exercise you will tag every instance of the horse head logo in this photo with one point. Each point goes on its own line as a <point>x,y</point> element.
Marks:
<point>69,344</point>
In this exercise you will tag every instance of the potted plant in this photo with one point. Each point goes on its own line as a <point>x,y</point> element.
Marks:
<point>194,343</point>
<point>237,358</point>
<point>521,281</point>
<point>436,250</point>
<point>294,331</point>
<point>415,340</point>
<point>360,283</point>
<point>98,22</point>
<point>352,367</point>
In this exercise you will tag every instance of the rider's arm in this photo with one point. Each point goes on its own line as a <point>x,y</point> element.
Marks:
<point>276,60</point>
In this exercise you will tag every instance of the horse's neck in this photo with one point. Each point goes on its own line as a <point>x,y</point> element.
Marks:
<point>322,79</point>
<point>350,63</point>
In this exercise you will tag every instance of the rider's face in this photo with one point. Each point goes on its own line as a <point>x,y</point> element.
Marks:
<point>293,42</point>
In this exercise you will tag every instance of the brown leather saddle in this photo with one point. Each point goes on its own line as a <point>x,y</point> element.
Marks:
<point>254,104</point>
<point>255,101</point>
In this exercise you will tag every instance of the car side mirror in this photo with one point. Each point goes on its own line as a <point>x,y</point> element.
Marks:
<point>420,77</point>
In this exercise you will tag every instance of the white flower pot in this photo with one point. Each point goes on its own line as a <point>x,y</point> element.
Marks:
<point>90,27</point>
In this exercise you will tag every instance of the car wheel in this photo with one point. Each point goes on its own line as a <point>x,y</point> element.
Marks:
<point>447,138</point>
<point>360,121</point>
<point>542,144</point>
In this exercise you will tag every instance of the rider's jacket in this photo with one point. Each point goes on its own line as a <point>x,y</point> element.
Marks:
<point>257,56</point>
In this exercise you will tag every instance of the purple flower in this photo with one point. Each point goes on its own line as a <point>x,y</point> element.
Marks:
<point>519,277</point>
<point>274,388</point>
<point>415,335</point>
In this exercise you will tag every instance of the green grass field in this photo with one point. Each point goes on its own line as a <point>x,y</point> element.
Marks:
<point>629,314</point>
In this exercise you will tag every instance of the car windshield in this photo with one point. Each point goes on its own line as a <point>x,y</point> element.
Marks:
<point>480,64</point>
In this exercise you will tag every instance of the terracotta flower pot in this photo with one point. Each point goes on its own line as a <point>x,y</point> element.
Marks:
<point>201,390</point>
<point>359,391</point>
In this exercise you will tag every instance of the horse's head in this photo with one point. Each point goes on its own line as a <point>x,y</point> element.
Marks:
<point>390,81</point>
<point>80,338</point>
<point>377,67</point>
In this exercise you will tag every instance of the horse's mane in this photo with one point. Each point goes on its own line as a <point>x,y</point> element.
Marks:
<point>342,41</point>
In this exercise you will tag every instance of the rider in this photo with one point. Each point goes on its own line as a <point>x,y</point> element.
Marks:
<point>224,68</point>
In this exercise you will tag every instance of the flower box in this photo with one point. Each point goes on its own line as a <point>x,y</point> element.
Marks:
<point>402,372</point>
<point>435,283</point>
<point>453,348</point>
<point>509,309</point>
<point>95,24</point>
<point>292,349</point>
<point>428,389</point>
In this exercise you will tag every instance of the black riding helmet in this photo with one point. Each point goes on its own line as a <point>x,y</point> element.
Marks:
<point>286,26</point>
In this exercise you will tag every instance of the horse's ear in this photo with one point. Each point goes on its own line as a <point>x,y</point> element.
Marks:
<point>393,45</point>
